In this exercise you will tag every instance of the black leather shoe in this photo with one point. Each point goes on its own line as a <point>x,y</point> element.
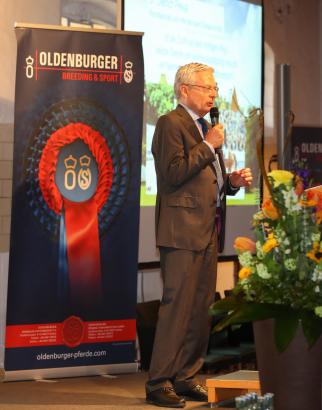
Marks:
<point>165,397</point>
<point>195,393</point>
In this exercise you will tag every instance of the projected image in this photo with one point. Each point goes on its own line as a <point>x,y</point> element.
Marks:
<point>226,34</point>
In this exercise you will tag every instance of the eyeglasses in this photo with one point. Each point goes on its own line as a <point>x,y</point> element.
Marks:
<point>204,87</point>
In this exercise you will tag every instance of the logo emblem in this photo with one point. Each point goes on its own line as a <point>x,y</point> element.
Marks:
<point>76,173</point>
<point>29,67</point>
<point>84,174</point>
<point>128,73</point>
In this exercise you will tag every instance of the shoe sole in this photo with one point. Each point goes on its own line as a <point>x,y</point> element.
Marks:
<point>187,398</point>
<point>178,406</point>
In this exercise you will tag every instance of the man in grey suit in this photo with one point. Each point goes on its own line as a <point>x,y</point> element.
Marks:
<point>192,185</point>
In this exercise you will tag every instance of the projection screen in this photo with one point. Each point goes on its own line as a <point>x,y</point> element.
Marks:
<point>226,34</point>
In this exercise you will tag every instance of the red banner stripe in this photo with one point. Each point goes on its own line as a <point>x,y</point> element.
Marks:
<point>51,334</point>
<point>83,250</point>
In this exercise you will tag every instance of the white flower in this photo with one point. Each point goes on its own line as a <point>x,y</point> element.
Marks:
<point>318,311</point>
<point>262,271</point>
<point>291,200</point>
<point>315,237</point>
<point>317,274</point>
<point>259,250</point>
<point>246,259</point>
<point>290,264</point>
<point>317,289</point>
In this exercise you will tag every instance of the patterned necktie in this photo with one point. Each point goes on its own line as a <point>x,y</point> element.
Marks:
<point>203,124</point>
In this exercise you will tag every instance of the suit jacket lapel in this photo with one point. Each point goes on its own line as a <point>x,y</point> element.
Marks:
<point>193,129</point>
<point>191,126</point>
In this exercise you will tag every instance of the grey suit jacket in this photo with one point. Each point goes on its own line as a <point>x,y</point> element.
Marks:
<point>187,190</point>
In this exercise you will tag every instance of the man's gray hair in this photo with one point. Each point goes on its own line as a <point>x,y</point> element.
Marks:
<point>184,73</point>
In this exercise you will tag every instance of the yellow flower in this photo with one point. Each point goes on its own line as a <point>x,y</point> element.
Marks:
<point>244,244</point>
<point>269,210</point>
<point>257,218</point>
<point>270,244</point>
<point>281,177</point>
<point>244,273</point>
<point>316,253</point>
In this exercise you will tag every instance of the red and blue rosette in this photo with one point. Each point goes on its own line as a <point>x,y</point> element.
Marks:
<point>81,223</point>
<point>78,138</point>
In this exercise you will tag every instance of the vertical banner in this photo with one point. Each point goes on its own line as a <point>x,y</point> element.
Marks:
<point>306,153</point>
<point>75,211</point>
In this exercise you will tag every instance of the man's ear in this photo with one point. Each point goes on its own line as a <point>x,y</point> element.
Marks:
<point>184,91</point>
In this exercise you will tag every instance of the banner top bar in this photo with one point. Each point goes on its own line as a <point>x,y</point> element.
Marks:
<point>68,28</point>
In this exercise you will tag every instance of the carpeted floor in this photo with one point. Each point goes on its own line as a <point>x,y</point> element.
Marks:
<point>92,393</point>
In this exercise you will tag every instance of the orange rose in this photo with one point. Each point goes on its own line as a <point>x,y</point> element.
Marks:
<point>319,200</point>
<point>244,244</point>
<point>269,209</point>
<point>310,200</point>
<point>315,194</point>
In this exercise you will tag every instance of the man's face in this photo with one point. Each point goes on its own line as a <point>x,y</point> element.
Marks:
<point>200,93</point>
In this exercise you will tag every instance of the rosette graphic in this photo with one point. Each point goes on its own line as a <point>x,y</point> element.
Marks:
<point>78,173</point>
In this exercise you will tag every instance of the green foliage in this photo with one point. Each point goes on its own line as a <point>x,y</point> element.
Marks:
<point>287,320</point>
<point>159,99</point>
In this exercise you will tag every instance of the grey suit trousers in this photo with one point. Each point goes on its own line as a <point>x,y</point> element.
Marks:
<point>183,326</point>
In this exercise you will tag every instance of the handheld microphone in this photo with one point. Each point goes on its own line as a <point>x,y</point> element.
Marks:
<point>214,116</point>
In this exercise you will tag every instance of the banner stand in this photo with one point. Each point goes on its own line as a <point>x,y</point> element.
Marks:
<point>72,293</point>
<point>79,371</point>
<point>4,265</point>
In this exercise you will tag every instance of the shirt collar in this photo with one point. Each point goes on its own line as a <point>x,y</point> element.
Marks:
<point>192,114</point>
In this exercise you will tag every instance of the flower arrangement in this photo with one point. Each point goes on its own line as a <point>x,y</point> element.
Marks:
<point>281,271</point>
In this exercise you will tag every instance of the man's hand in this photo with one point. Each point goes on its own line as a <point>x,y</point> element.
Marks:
<point>215,136</point>
<point>240,178</point>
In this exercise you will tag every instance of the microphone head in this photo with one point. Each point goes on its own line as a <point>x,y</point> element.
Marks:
<point>214,115</point>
